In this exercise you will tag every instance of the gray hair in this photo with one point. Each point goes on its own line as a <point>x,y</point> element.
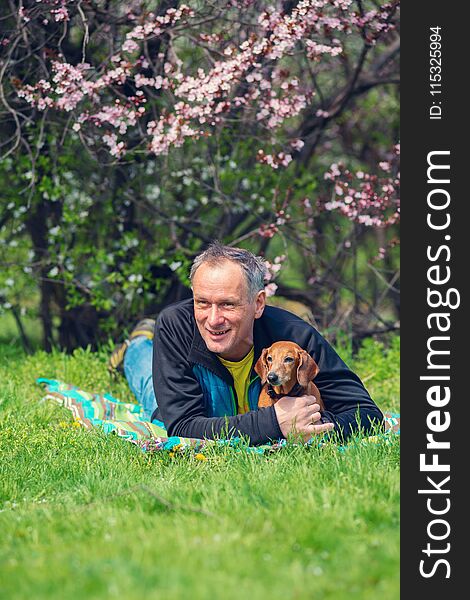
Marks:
<point>254,267</point>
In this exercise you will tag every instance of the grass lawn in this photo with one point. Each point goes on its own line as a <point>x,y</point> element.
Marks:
<point>84,515</point>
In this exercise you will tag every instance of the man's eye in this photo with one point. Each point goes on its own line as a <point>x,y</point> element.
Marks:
<point>269,359</point>
<point>288,359</point>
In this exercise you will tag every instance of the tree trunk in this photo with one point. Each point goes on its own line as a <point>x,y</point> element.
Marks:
<point>37,228</point>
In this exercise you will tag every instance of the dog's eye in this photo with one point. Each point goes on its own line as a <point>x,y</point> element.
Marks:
<point>288,359</point>
<point>269,359</point>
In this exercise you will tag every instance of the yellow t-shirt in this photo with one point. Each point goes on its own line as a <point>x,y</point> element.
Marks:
<point>240,371</point>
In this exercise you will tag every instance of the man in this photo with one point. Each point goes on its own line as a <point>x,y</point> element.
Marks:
<point>204,352</point>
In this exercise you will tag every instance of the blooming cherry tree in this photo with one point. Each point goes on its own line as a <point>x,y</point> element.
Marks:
<point>133,133</point>
<point>162,100</point>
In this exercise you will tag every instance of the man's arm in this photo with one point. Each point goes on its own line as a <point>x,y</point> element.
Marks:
<point>180,398</point>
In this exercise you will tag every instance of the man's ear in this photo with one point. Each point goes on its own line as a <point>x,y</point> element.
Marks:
<point>260,304</point>
<point>261,367</point>
<point>307,369</point>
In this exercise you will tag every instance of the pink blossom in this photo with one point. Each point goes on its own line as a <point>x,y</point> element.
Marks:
<point>60,14</point>
<point>274,160</point>
<point>115,148</point>
<point>270,289</point>
<point>297,144</point>
<point>384,165</point>
<point>273,269</point>
<point>364,198</point>
<point>199,99</point>
<point>23,14</point>
<point>130,46</point>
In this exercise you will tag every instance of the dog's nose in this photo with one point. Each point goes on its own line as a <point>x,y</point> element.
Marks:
<point>272,378</point>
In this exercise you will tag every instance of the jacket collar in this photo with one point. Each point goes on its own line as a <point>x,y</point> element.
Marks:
<point>199,354</point>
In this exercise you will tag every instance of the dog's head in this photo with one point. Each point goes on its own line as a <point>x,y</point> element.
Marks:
<point>285,363</point>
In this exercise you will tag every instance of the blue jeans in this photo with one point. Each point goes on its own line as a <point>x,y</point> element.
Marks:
<point>138,372</point>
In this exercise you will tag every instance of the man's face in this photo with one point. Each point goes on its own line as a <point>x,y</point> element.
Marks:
<point>223,309</point>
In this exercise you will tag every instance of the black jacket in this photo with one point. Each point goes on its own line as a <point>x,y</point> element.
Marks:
<point>181,361</point>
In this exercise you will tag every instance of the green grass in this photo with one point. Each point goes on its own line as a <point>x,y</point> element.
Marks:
<point>84,515</point>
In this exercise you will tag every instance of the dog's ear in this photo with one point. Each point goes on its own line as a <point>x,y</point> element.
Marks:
<point>307,369</point>
<point>261,367</point>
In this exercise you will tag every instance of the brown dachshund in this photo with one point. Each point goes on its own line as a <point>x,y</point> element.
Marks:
<point>286,369</point>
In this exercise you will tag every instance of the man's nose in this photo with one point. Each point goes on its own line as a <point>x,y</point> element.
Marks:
<point>215,315</point>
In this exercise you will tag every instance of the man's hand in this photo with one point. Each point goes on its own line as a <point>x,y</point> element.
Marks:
<point>300,415</point>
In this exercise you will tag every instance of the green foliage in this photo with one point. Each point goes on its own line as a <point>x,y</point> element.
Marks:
<point>379,367</point>
<point>85,515</point>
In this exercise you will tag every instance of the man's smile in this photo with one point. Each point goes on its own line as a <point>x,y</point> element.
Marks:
<point>218,333</point>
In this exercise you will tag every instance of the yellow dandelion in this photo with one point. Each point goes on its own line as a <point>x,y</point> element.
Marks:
<point>200,456</point>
